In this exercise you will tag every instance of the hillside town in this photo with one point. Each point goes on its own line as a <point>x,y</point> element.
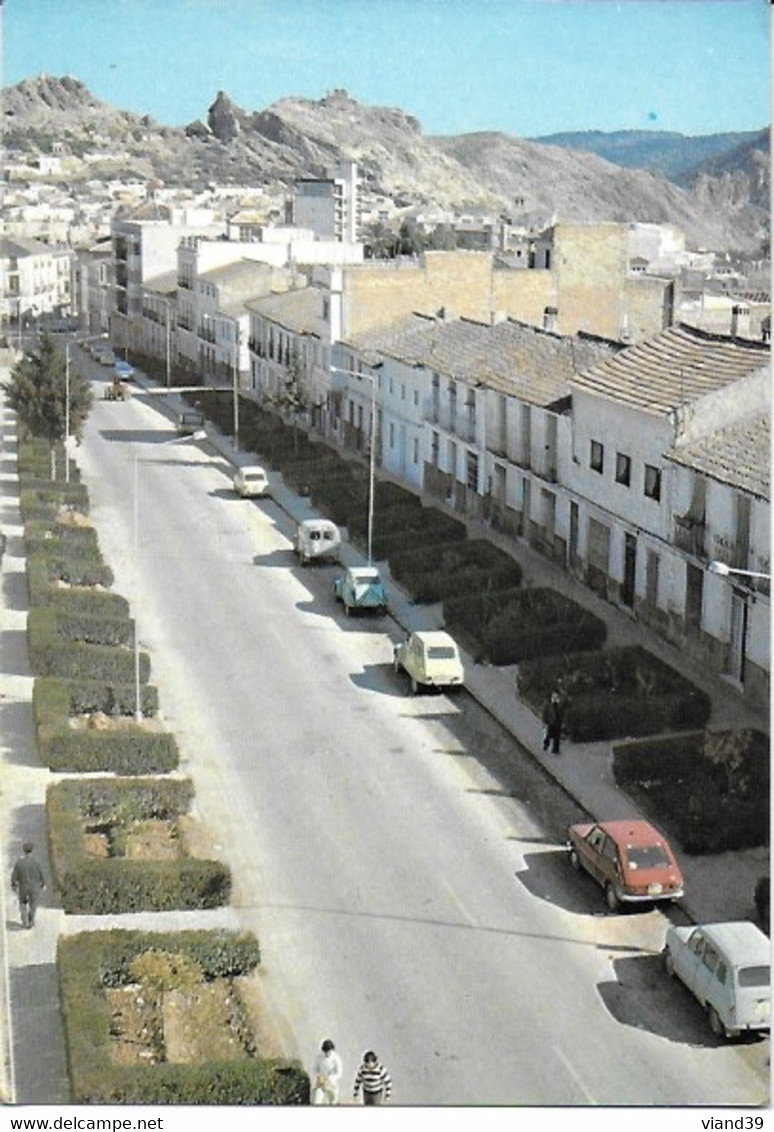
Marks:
<point>600,391</point>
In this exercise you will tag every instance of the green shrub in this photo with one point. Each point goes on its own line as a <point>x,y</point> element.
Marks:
<point>540,622</point>
<point>616,693</point>
<point>709,789</point>
<point>58,648</point>
<point>91,961</point>
<point>118,752</point>
<point>113,884</point>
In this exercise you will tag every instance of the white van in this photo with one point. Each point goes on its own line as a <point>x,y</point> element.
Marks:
<point>251,480</point>
<point>317,540</point>
<point>728,968</point>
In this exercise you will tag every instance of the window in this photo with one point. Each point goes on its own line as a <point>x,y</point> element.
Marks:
<point>597,458</point>
<point>392,435</point>
<point>416,451</point>
<point>652,482</point>
<point>623,469</point>
<point>434,446</point>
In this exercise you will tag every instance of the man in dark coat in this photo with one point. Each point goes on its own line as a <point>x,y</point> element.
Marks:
<point>28,882</point>
<point>552,718</point>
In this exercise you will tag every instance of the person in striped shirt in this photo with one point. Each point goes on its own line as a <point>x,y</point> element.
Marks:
<point>373,1079</point>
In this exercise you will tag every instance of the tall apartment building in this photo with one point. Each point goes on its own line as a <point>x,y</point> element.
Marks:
<point>329,207</point>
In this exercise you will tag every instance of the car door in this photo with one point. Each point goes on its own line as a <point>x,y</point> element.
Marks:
<point>591,853</point>
<point>704,973</point>
<point>688,958</point>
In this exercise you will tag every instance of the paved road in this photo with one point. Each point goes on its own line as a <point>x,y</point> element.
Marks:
<point>404,900</point>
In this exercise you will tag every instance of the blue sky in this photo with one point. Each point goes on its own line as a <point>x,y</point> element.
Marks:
<point>527,67</point>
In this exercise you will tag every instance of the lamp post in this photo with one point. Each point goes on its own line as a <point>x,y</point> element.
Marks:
<point>200,434</point>
<point>725,571</point>
<point>235,366</point>
<point>372,453</point>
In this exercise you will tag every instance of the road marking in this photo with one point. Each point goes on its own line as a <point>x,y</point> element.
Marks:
<point>573,1073</point>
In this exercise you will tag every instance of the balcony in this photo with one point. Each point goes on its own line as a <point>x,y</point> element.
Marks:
<point>734,553</point>
<point>690,536</point>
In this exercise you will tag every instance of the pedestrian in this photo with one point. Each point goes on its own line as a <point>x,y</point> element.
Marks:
<point>28,882</point>
<point>553,715</point>
<point>327,1075</point>
<point>374,1080</point>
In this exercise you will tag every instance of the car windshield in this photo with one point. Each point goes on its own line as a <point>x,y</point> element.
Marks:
<point>646,857</point>
<point>372,577</point>
<point>253,475</point>
<point>754,976</point>
<point>441,652</point>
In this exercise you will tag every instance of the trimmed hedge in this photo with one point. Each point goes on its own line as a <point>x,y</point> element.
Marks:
<point>91,961</point>
<point>83,647</point>
<point>54,700</point>
<point>113,884</point>
<point>120,752</point>
<point>710,790</point>
<point>614,694</point>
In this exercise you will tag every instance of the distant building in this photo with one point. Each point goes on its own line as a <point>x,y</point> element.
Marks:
<point>330,207</point>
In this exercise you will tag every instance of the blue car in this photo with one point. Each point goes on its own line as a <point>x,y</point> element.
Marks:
<point>360,588</point>
<point>123,370</point>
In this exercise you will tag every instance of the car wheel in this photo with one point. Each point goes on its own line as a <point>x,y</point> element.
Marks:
<point>575,860</point>
<point>717,1027</point>
<point>611,896</point>
<point>414,686</point>
<point>669,961</point>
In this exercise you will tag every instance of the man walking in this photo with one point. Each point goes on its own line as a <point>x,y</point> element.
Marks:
<point>28,882</point>
<point>374,1080</point>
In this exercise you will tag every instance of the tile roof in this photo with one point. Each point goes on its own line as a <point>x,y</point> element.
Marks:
<point>299,310</point>
<point>509,356</point>
<point>675,367</point>
<point>739,455</point>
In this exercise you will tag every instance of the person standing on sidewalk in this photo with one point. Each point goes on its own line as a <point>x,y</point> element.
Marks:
<point>553,717</point>
<point>327,1075</point>
<point>28,882</point>
<point>374,1080</point>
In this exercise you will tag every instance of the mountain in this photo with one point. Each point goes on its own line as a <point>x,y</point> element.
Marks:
<point>723,206</point>
<point>658,151</point>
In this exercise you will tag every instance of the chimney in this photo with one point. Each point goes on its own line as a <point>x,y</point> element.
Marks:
<point>740,320</point>
<point>551,319</point>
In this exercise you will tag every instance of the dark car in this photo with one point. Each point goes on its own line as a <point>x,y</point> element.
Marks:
<point>631,860</point>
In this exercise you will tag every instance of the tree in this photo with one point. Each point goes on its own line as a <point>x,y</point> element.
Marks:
<point>37,394</point>
<point>294,399</point>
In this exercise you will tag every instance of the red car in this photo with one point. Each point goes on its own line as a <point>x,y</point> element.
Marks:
<point>630,859</point>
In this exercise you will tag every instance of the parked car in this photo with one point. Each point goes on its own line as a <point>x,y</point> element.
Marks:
<point>251,480</point>
<point>123,369</point>
<point>98,346</point>
<point>116,390</point>
<point>106,357</point>
<point>727,967</point>
<point>317,540</point>
<point>189,422</point>
<point>631,860</point>
<point>360,588</point>
<point>429,658</point>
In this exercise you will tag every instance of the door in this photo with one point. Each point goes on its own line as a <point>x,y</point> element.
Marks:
<point>694,597</point>
<point>738,643</point>
<point>629,570</point>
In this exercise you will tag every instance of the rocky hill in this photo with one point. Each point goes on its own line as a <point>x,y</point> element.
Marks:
<point>722,206</point>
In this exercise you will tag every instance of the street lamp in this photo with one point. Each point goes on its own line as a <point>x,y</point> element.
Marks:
<point>724,571</point>
<point>235,367</point>
<point>200,434</point>
<point>372,454</point>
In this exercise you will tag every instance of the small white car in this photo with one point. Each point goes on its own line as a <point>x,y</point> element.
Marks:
<point>429,658</point>
<point>317,540</point>
<point>251,480</point>
<point>728,969</point>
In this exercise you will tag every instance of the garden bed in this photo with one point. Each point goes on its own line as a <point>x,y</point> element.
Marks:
<point>710,790</point>
<point>170,1018</point>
